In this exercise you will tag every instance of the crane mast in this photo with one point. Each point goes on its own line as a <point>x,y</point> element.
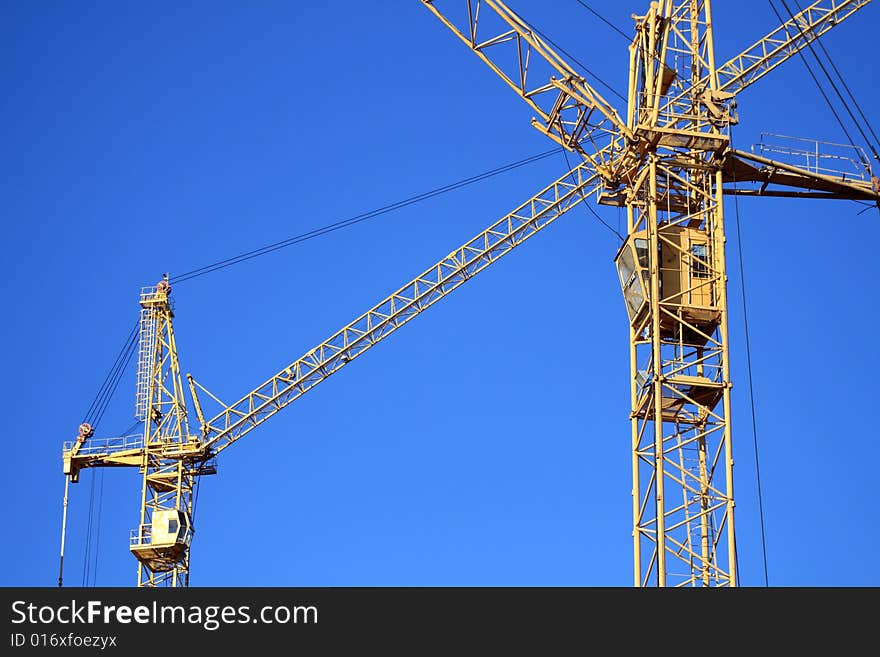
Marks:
<point>682,461</point>
<point>172,458</point>
<point>673,273</point>
<point>667,163</point>
<point>162,538</point>
<point>667,166</point>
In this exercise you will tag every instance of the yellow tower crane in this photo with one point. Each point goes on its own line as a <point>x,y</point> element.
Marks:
<point>669,162</point>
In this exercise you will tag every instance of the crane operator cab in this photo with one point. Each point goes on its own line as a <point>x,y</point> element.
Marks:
<point>161,544</point>
<point>688,312</point>
<point>688,283</point>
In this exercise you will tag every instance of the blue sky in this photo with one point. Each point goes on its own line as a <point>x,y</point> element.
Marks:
<point>486,443</point>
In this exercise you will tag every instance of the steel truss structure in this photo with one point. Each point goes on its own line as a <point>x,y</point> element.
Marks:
<point>670,164</point>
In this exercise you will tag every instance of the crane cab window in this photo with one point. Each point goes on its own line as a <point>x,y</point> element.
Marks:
<point>641,246</point>
<point>699,261</point>
<point>632,263</point>
<point>626,266</point>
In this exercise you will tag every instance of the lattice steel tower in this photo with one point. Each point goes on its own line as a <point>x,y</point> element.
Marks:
<point>672,268</point>
<point>670,163</point>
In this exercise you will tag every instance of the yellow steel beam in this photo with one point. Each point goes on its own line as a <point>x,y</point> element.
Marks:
<point>744,167</point>
<point>384,318</point>
<point>682,495</point>
<point>570,111</point>
<point>758,59</point>
<point>785,41</point>
<point>673,168</point>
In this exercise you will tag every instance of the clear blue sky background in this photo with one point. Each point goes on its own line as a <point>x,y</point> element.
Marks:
<point>486,443</point>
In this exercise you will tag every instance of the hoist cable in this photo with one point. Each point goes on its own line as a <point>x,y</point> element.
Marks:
<point>98,528</point>
<point>87,555</point>
<point>849,93</point>
<point>114,383</point>
<point>587,205</point>
<point>604,20</point>
<point>578,62</point>
<point>102,398</point>
<point>351,221</point>
<point>742,280</point>
<point>96,402</point>
<point>816,80</point>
